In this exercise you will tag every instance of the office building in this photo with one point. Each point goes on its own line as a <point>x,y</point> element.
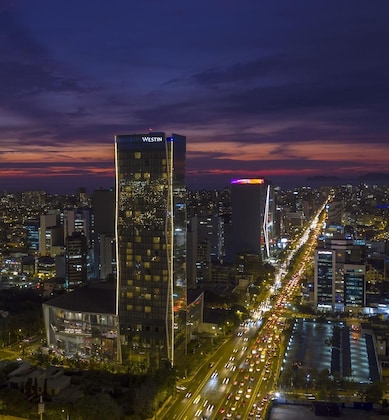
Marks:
<point>204,243</point>
<point>339,278</point>
<point>103,240</point>
<point>151,246</point>
<point>32,228</point>
<point>253,209</point>
<point>76,260</point>
<point>50,233</point>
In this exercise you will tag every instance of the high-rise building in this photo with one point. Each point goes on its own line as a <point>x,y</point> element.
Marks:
<point>76,260</point>
<point>253,210</point>
<point>339,278</point>
<point>103,240</point>
<point>49,234</point>
<point>151,246</point>
<point>32,227</point>
<point>203,245</point>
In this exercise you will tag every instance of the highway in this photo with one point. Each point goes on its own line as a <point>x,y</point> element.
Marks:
<point>239,380</point>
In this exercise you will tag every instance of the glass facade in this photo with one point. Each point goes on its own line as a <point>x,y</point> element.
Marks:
<point>253,209</point>
<point>354,286</point>
<point>89,335</point>
<point>340,282</point>
<point>323,279</point>
<point>151,246</point>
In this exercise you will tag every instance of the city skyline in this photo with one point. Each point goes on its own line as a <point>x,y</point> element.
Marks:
<point>288,92</point>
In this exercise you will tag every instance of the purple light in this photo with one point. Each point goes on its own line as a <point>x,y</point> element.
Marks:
<point>248,181</point>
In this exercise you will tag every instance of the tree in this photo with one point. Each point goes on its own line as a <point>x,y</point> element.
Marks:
<point>375,392</point>
<point>91,407</point>
<point>13,402</point>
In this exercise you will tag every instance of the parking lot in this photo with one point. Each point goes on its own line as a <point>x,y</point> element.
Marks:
<point>334,346</point>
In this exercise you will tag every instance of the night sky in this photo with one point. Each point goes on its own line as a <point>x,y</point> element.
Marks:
<point>286,90</point>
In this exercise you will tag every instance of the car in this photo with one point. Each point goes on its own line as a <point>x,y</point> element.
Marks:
<point>181,388</point>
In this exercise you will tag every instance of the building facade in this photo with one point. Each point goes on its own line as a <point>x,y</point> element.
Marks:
<point>339,279</point>
<point>151,246</point>
<point>76,260</point>
<point>253,211</point>
<point>83,323</point>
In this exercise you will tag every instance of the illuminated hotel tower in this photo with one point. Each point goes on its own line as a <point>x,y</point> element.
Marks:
<point>151,246</point>
<point>252,202</point>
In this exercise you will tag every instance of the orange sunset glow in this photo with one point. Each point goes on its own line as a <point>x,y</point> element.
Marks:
<point>298,95</point>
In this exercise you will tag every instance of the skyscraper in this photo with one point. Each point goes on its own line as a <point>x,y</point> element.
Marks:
<point>253,210</point>
<point>151,246</point>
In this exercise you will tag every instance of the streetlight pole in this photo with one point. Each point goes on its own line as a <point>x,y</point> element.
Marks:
<point>41,407</point>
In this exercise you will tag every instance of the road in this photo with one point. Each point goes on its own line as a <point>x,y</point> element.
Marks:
<point>240,378</point>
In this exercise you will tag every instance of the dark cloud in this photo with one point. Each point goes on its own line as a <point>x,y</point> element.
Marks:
<point>278,72</point>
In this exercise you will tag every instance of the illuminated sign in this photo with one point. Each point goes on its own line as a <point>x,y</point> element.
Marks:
<point>147,139</point>
<point>248,181</point>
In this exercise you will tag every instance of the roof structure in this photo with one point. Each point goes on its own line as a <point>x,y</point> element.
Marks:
<point>93,298</point>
